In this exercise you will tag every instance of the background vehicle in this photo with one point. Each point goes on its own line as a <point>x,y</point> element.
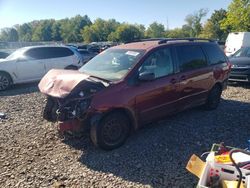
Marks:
<point>86,54</point>
<point>30,64</point>
<point>240,65</point>
<point>3,55</point>
<point>133,84</point>
<point>235,41</point>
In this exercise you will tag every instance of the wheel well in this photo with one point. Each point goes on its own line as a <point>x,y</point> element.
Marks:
<point>132,120</point>
<point>219,85</point>
<point>8,75</point>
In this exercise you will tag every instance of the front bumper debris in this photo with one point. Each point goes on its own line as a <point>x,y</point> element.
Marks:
<point>71,125</point>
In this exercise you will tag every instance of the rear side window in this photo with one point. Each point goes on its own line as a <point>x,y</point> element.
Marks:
<point>215,55</point>
<point>56,52</point>
<point>190,57</point>
<point>48,52</point>
<point>36,53</point>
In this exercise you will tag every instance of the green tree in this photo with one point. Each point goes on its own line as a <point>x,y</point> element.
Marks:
<point>71,28</point>
<point>13,36</point>
<point>216,19</point>
<point>25,32</point>
<point>212,27</point>
<point>56,31</point>
<point>9,34</point>
<point>177,33</point>
<point>193,22</point>
<point>208,31</point>
<point>237,17</point>
<point>43,32</point>
<point>142,29</point>
<point>99,30</point>
<point>155,30</point>
<point>89,34</point>
<point>127,32</point>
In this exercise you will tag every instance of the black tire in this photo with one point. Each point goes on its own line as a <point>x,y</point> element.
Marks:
<point>111,132</point>
<point>214,97</point>
<point>5,81</point>
<point>49,111</point>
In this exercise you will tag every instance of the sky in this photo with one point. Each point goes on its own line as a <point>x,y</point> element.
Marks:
<point>170,13</point>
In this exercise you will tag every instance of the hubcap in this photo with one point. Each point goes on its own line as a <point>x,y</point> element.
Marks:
<point>4,82</point>
<point>112,131</point>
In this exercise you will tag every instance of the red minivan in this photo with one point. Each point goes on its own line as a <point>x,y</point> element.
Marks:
<point>133,84</point>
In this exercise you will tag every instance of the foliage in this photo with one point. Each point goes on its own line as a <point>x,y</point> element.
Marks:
<point>80,28</point>
<point>99,30</point>
<point>177,33</point>
<point>237,17</point>
<point>193,22</point>
<point>208,31</point>
<point>127,33</point>
<point>43,31</point>
<point>25,32</point>
<point>155,30</point>
<point>9,34</point>
<point>56,31</point>
<point>216,19</point>
<point>71,28</point>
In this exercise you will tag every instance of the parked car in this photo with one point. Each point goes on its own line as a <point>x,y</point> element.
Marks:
<point>3,55</point>
<point>240,65</point>
<point>133,84</point>
<point>94,48</point>
<point>30,64</point>
<point>86,55</point>
<point>235,41</point>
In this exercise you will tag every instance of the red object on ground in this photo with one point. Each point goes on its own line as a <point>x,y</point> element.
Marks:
<point>73,125</point>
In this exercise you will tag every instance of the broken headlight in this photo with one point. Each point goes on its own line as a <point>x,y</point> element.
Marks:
<point>75,109</point>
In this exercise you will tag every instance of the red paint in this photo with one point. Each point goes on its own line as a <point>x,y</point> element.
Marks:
<point>73,125</point>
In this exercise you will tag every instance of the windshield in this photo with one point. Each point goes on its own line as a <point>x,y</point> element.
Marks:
<point>112,64</point>
<point>242,52</point>
<point>17,54</point>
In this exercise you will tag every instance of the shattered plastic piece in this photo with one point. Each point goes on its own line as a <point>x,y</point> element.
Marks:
<point>73,125</point>
<point>2,115</point>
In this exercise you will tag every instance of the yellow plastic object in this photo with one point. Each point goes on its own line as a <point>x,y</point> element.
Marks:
<point>223,158</point>
<point>195,165</point>
<point>230,184</point>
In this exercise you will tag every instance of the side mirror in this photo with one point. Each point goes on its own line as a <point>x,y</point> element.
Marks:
<point>146,76</point>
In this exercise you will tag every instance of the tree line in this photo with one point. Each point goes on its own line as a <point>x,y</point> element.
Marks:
<point>82,29</point>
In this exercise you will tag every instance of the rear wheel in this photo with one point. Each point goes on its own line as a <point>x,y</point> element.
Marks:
<point>111,132</point>
<point>214,97</point>
<point>5,81</point>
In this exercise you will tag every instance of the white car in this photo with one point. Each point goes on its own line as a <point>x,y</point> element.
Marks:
<point>30,64</point>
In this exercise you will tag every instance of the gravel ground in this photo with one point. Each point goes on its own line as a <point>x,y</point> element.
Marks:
<point>32,154</point>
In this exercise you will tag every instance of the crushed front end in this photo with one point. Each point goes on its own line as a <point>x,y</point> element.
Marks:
<point>69,95</point>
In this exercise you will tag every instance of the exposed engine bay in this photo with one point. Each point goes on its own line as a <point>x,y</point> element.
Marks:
<point>69,100</point>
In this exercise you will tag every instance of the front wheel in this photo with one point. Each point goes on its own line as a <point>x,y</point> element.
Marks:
<point>213,99</point>
<point>111,132</point>
<point>49,111</point>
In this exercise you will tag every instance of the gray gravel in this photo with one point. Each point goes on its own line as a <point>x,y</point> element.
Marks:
<point>32,154</point>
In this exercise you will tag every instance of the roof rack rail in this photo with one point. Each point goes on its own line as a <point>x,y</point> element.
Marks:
<point>188,39</point>
<point>146,39</point>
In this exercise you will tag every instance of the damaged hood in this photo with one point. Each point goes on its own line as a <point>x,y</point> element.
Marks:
<point>60,83</point>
